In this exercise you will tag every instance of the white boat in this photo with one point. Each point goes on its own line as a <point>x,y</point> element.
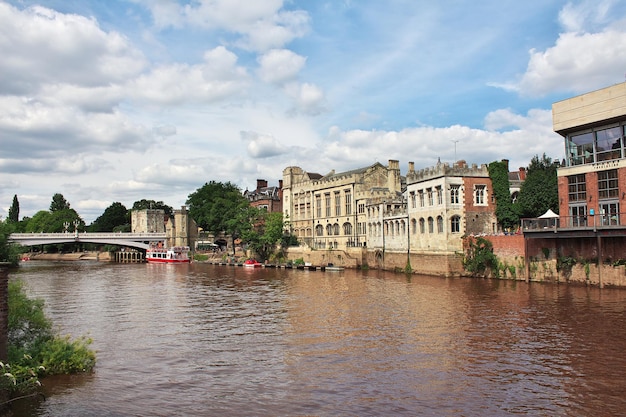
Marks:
<point>173,255</point>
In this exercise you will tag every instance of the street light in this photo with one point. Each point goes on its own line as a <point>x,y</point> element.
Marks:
<point>455,142</point>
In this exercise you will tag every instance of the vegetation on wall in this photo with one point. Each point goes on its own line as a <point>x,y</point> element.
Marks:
<point>479,259</point>
<point>506,211</point>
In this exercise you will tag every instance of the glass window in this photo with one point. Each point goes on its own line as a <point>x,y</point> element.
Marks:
<point>347,229</point>
<point>609,143</point>
<point>454,194</point>
<point>337,204</point>
<point>607,184</point>
<point>578,216</point>
<point>455,224</point>
<point>327,200</point>
<point>439,196</point>
<point>429,191</point>
<point>580,149</point>
<point>421,193</point>
<point>431,225</point>
<point>336,228</point>
<point>577,188</point>
<point>348,198</point>
<point>439,224</point>
<point>479,195</point>
<point>422,225</point>
<point>318,205</point>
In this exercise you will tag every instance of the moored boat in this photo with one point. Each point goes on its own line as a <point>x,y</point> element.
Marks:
<point>173,255</point>
<point>252,263</point>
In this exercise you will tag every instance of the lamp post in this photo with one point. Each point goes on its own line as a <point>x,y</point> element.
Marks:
<point>455,142</point>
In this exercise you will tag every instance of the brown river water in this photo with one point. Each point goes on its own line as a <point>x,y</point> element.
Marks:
<point>207,340</point>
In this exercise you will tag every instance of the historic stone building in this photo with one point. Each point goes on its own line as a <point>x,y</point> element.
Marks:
<point>439,206</point>
<point>180,229</point>
<point>329,211</point>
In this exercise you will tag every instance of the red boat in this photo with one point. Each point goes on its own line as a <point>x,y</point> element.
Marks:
<point>173,255</point>
<point>252,263</point>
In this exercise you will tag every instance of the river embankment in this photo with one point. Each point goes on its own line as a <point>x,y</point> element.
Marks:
<point>72,256</point>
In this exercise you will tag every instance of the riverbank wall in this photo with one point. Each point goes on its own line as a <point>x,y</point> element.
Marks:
<point>72,256</point>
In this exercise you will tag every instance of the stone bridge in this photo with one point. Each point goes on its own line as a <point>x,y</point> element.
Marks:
<point>134,240</point>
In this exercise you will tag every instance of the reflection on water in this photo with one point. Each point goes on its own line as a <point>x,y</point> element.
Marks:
<point>199,340</point>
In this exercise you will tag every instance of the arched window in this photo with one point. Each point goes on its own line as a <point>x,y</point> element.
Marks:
<point>319,230</point>
<point>347,229</point>
<point>422,227</point>
<point>336,228</point>
<point>455,224</point>
<point>413,226</point>
<point>439,224</point>
<point>431,225</point>
<point>329,230</point>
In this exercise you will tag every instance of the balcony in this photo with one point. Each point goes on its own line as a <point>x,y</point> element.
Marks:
<point>576,226</point>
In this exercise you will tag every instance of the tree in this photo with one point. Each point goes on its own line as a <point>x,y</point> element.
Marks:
<point>539,191</point>
<point>267,232</point>
<point>8,252</point>
<point>55,222</point>
<point>114,216</point>
<point>220,207</point>
<point>14,210</point>
<point>506,211</point>
<point>151,204</point>
<point>59,203</point>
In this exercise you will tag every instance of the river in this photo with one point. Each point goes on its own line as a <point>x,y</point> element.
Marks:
<point>208,340</point>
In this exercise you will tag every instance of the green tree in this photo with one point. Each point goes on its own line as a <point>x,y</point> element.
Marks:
<point>114,216</point>
<point>55,222</point>
<point>14,210</point>
<point>151,204</point>
<point>59,203</point>
<point>539,191</point>
<point>220,207</point>
<point>8,252</point>
<point>266,232</point>
<point>506,211</point>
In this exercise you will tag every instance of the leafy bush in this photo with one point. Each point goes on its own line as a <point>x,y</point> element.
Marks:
<point>479,257</point>
<point>34,349</point>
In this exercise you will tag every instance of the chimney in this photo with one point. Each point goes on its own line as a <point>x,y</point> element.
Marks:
<point>506,163</point>
<point>280,184</point>
<point>522,173</point>
<point>260,184</point>
<point>411,166</point>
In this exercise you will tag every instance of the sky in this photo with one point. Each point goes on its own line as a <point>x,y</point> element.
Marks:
<point>124,100</point>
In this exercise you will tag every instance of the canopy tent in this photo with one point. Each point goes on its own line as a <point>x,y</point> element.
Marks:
<point>549,215</point>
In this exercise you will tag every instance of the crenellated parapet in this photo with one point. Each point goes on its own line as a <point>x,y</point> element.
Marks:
<point>460,169</point>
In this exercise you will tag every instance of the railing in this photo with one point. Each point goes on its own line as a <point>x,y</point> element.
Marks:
<point>92,235</point>
<point>575,222</point>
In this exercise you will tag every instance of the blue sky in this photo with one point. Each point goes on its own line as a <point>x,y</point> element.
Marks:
<point>121,100</point>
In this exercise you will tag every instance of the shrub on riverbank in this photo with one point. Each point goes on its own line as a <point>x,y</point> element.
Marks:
<point>34,349</point>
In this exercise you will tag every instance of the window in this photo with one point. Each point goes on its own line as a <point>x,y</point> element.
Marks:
<point>422,227</point>
<point>479,195</point>
<point>413,200</point>
<point>580,149</point>
<point>439,224</point>
<point>337,203</point>
<point>429,191</point>
<point>439,196</point>
<point>421,193</point>
<point>578,216</point>
<point>455,224</point>
<point>577,188</point>
<point>455,191</point>
<point>318,205</point>
<point>327,198</point>
<point>361,208</point>
<point>348,201</point>
<point>431,225</point>
<point>329,230</point>
<point>609,143</point>
<point>336,229</point>
<point>413,226</point>
<point>347,229</point>
<point>607,184</point>
<point>319,230</point>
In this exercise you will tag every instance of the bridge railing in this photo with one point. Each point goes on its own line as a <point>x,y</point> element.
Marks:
<point>147,236</point>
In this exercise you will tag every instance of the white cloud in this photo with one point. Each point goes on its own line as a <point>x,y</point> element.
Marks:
<point>262,146</point>
<point>216,78</point>
<point>578,63</point>
<point>40,45</point>
<point>309,99</point>
<point>280,65</point>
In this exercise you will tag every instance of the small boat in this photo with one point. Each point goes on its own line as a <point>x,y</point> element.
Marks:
<point>173,255</point>
<point>252,263</point>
